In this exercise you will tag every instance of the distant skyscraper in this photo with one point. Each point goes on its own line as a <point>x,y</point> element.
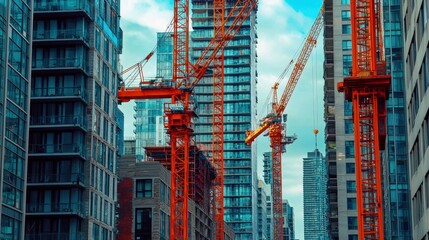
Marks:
<point>240,99</point>
<point>262,210</point>
<point>415,18</point>
<point>315,197</point>
<point>340,156</point>
<point>15,54</point>
<point>71,190</point>
<point>270,228</point>
<point>149,118</point>
<point>289,221</point>
<point>268,167</point>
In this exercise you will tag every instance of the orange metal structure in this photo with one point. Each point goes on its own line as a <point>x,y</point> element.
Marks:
<point>180,112</point>
<point>218,118</point>
<point>368,89</point>
<point>273,122</point>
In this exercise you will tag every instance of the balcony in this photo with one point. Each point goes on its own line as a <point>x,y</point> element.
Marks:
<point>63,7</point>
<point>57,179</point>
<point>56,208</point>
<point>58,121</point>
<point>55,236</point>
<point>61,35</point>
<point>56,150</point>
<point>61,65</point>
<point>63,93</point>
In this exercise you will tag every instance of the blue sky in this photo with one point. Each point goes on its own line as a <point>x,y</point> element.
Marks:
<point>282,26</point>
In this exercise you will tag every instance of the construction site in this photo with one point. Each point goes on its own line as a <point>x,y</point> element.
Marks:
<point>229,125</point>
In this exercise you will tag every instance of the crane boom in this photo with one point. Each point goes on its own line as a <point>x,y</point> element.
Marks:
<point>273,122</point>
<point>368,89</point>
<point>310,43</point>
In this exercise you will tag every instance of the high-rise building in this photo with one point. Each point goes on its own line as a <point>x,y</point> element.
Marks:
<point>340,158</point>
<point>15,59</point>
<point>270,227</point>
<point>268,167</point>
<point>416,70</point>
<point>149,115</point>
<point>240,98</point>
<point>71,190</point>
<point>288,222</point>
<point>315,197</point>
<point>262,210</point>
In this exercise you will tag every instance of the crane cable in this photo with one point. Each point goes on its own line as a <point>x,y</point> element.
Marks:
<point>315,97</point>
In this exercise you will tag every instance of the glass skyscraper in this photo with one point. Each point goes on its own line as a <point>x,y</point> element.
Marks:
<point>315,198</point>
<point>15,59</point>
<point>240,100</point>
<point>339,126</point>
<point>72,178</point>
<point>149,118</point>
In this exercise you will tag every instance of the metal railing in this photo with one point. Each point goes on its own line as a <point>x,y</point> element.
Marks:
<point>76,208</point>
<point>59,120</point>
<point>61,34</point>
<point>75,178</point>
<point>59,92</point>
<point>72,235</point>
<point>57,149</point>
<point>72,62</point>
<point>63,5</point>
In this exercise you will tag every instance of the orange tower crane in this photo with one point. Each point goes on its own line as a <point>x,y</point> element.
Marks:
<point>218,118</point>
<point>180,112</point>
<point>368,88</point>
<point>273,122</point>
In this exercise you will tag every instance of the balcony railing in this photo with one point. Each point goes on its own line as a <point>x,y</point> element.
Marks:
<point>73,235</point>
<point>75,178</point>
<point>75,208</point>
<point>55,63</point>
<point>59,120</point>
<point>61,34</point>
<point>56,149</point>
<point>63,5</point>
<point>59,92</point>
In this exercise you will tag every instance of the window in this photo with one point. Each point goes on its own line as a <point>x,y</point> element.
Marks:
<point>345,15</point>
<point>347,29</point>
<point>144,188</point>
<point>347,45</point>
<point>350,167</point>
<point>165,193</point>
<point>348,126</point>
<point>350,149</point>
<point>345,2</point>
<point>351,186</point>
<point>348,109</point>
<point>351,203</point>
<point>164,226</point>
<point>352,223</point>
<point>143,223</point>
<point>347,64</point>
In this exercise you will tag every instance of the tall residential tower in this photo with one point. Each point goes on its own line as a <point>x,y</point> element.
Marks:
<point>240,99</point>
<point>15,60</point>
<point>416,54</point>
<point>71,191</point>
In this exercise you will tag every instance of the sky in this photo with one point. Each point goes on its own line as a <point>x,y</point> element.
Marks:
<point>282,27</point>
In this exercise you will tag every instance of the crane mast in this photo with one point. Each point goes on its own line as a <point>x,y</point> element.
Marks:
<point>217,122</point>
<point>273,123</point>
<point>367,88</point>
<point>180,112</point>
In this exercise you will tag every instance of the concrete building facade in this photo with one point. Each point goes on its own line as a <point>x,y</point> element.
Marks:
<point>416,70</point>
<point>240,114</point>
<point>71,190</point>
<point>15,73</point>
<point>144,200</point>
<point>315,197</point>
